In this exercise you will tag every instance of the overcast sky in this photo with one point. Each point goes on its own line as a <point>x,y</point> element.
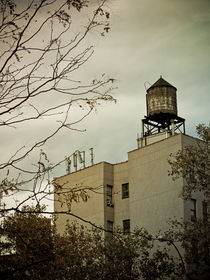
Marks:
<point>148,38</point>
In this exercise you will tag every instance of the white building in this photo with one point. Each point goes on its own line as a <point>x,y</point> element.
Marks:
<point>137,192</point>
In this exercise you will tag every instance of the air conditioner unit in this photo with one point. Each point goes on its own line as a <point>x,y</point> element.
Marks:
<point>109,203</point>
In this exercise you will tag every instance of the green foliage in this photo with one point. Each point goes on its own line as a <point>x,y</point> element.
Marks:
<point>160,266</point>
<point>80,253</point>
<point>29,239</point>
<point>192,164</point>
<point>188,232</point>
<point>194,238</point>
<point>85,254</point>
<point>203,132</point>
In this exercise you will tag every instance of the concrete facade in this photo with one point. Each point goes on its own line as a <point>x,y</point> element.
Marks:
<point>153,196</point>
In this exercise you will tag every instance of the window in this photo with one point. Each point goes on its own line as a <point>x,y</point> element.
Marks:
<point>126,226</point>
<point>110,226</point>
<point>193,209</point>
<point>109,201</point>
<point>125,190</point>
<point>192,173</point>
<point>205,212</point>
<point>203,175</point>
<point>192,176</point>
<point>205,244</point>
<point>194,250</point>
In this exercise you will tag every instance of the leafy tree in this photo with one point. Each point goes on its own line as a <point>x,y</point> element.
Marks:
<point>29,244</point>
<point>192,164</point>
<point>81,253</point>
<point>194,238</point>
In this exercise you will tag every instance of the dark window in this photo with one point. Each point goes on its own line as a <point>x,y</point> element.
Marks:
<point>126,226</point>
<point>110,226</point>
<point>109,201</point>
<point>192,176</point>
<point>193,209</point>
<point>192,172</point>
<point>194,250</point>
<point>203,175</point>
<point>125,190</point>
<point>205,243</point>
<point>205,212</point>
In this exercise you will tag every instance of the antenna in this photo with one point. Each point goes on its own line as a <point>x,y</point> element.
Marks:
<point>68,165</point>
<point>75,161</point>
<point>77,156</point>
<point>81,160</point>
<point>91,155</point>
<point>80,157</point>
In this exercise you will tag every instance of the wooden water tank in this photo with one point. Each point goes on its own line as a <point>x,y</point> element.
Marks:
<point>161,100</point>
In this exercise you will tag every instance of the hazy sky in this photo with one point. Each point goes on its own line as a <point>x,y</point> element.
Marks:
<point>148,38</point>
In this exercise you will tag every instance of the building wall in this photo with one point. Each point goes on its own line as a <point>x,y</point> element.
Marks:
<point>108,180</point>
<point>153,196</point>
<point>121,206</point>
<point>199,197</point>
<point>93,209</point>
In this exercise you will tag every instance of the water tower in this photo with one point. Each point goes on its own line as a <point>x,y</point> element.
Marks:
<point>162,110</point>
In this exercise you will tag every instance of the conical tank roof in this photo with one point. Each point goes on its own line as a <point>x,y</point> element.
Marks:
<point>161,83</point>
